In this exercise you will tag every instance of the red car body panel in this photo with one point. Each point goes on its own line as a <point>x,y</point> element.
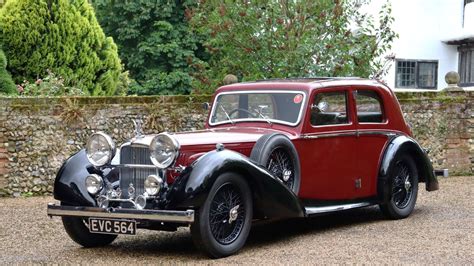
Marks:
<point>332,158</point>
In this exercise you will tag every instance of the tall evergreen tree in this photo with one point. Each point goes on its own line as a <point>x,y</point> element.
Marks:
<point>6,83</point>
<point>154,42</point>
<point>62,36</point>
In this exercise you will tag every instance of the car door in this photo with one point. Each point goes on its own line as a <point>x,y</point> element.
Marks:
<point>373,131</point>
<point>328,146</point>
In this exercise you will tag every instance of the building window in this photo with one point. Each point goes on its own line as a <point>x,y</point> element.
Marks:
<point>416,74</point>
<point>466,65</point>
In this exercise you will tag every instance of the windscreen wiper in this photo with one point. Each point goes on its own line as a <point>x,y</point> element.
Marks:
<point>227,114</point>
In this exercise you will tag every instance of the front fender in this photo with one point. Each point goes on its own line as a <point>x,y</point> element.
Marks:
<point>271,198</point>
<point>400,144</point>
<point>69,185</point>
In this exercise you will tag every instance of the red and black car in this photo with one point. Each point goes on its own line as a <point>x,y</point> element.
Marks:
<point>270,149</point>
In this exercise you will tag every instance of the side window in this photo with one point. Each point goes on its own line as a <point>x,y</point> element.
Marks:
<point>369,107</point>
<point>329,108</point>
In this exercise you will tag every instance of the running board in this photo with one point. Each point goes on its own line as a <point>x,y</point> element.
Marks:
<point>334,208</point>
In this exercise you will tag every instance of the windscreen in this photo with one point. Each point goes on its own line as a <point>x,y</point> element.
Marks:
<point>271,107</point>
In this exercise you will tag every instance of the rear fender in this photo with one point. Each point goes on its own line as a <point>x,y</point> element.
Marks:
<point>271,198</point>
<point>404,144</point>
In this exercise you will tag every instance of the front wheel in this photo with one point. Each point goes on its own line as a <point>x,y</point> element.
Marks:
<point>223,222</point>
<point>78,231</point>
<point>403,178</point>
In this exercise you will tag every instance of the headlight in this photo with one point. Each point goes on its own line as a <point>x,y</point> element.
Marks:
<point>94,183</point>
<point>163,150</point>
<point>100,149</point>
<point>153,185</point>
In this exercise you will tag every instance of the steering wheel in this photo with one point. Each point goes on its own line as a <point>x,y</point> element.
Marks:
<point>253,115</point>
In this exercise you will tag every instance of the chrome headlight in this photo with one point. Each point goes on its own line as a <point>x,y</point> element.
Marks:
<point>153,185</point>
<point>100,149</point>
<point>94,183</point>
<point>163,150</point>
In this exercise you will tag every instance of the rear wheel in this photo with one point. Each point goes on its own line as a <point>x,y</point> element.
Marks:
<point>78,231</point>
<point>403,178</point>
<point>223,222</point>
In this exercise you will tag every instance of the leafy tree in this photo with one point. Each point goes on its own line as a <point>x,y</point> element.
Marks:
<point>6,83</point>
<point>62,36</point>
<point>281,38</point>
<point>154,42</point>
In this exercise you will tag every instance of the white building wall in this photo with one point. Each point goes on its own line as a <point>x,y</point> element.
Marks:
<point>421,25</point>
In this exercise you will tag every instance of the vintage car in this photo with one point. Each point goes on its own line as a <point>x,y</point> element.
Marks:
<point>270,149</point>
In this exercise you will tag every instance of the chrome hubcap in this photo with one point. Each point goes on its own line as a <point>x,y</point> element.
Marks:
<point>407,185</point>
<point>286,175</point>
<point>281,166</point>
<point>233,213</point>
<point>227,214</point>
<point>402,188</point>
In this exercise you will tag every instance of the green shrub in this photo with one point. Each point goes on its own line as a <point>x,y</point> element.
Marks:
<point>6,83</point>
<point>63,36</point>
<point>51,85</point>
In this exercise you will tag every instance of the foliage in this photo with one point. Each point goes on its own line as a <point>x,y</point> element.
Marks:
<point>6,83</point>
<point>154,41</point>
<point>51,85</point>
<point>278,38</point>
<point>63,36</point>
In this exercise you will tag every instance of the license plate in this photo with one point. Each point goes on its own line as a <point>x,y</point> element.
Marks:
<point>109,226</point>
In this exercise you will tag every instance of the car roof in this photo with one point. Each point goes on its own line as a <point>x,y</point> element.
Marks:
<point>306,84</point>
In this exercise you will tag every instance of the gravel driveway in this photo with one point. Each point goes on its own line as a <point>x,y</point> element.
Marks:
<point>441,231</point>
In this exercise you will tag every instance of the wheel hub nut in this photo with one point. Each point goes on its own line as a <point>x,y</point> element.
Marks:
<point>286,175</point>
<point>233,214</point>
<point>407,185</point>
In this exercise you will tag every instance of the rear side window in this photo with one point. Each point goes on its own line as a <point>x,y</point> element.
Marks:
<point>329,108</point>
<point>369,107</point>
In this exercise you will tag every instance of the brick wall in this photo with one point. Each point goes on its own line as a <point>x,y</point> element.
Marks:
<point>38,134</point>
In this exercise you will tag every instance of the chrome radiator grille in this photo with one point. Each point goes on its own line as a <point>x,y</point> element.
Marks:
<point>135,155</point>
<point>135,176</point>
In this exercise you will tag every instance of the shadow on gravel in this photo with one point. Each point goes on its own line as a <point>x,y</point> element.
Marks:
<point>273,232</point>
<point>180,245</point>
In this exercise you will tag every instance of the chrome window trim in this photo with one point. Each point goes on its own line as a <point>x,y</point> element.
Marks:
<point>376,132</point>
<point>329,135</point>
<point>303,103</point>
<point>349,133</point>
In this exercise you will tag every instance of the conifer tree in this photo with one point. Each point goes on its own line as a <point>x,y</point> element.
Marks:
<point>154,42</point>
<point>62,36</point>
<point>6,83</point>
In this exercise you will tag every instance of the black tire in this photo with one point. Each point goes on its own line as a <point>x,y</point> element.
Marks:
<point>265,149</point>
<point>223,238</point>
<point>77,230</point>
<point>403,188</point>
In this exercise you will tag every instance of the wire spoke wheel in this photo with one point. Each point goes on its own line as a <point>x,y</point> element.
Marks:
<point>402,185</point>
<point>227,214</point>
<point>281,166</point>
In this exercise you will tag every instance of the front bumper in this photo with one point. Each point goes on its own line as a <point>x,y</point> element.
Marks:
<point>185,217</point>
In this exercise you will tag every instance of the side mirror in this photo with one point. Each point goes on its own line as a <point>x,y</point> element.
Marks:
<point>206,106</point>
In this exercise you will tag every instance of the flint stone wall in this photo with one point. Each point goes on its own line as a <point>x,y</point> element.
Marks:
<point>38,134</point>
